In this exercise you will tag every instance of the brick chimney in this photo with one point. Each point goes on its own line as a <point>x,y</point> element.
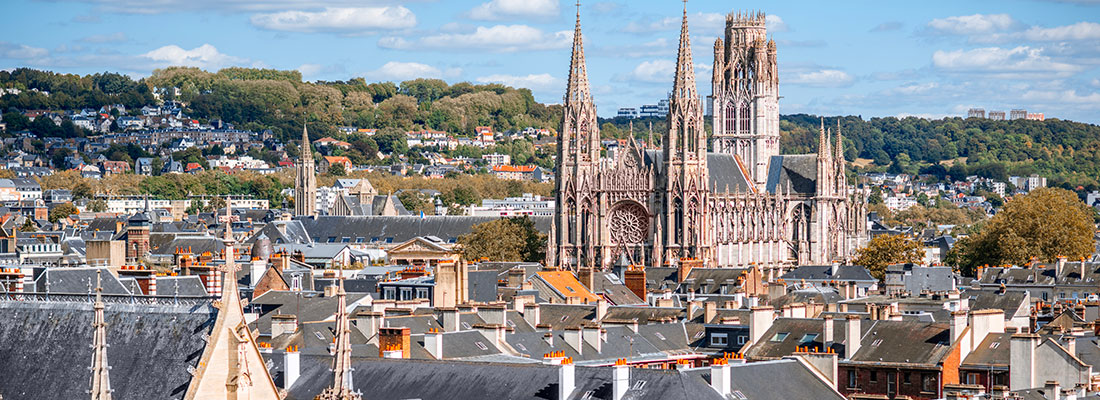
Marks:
<point>515,277</point>
<point>853,335</point>
<point>282,324</point>
<point>634,279</point>
<point>531,314</point>
<point>621,380</point>
<point>394,338</point>
<point>720,377</point>
<point>760,320</point>
<point>291,366</point>
<point>433,343</point>
<point>585,275</point>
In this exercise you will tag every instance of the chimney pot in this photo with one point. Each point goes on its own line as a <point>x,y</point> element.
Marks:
<point>621,380</point>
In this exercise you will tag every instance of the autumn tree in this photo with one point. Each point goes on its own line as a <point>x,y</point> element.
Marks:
<point>1045,223</point>
<point>509,239</point>
<point>62,211</point>
<point>885,250</point>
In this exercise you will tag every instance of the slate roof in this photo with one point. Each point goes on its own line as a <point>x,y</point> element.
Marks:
<point>812,294</point>
<point>45,348</point>
<point>758,381</point>
<point>1010,301</point>
<point>904,342</point>
<point>76,281</point>
<point>183,286</point>
<point>800,332</point>
<point>712,280</point>
<point>824,272</point>
<point>992,351</point>
<point>407,379</point>
<point>794,173</point>
<point>723,171</point>
<point>396,229</point>
<point>1045,274</point>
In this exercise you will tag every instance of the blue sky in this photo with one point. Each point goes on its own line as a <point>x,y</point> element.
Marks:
<point>869,58</point>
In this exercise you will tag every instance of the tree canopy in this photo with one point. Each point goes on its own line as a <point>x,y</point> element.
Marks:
<point>508,239</point>
<point>886,250</point>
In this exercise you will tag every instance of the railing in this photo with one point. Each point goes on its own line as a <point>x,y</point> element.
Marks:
<point>107,298</point>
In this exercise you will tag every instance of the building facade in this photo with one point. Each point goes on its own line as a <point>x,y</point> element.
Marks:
<point>739,203</point>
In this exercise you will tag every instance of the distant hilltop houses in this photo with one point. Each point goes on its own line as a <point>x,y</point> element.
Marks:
<point>1000,115</point>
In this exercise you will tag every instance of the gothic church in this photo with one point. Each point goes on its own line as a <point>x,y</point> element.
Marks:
<point>740,203</point>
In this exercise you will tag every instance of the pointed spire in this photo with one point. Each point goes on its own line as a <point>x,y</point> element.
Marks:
<point>341,360</point>
<point>577,91</point>
<point>101,382</point>
<point>307,151</point>
<point>822,141</point>
<point>839,146</point>
<point>684,85</point>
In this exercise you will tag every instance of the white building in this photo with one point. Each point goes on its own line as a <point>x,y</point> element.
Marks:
<point>497,159</point>
<point>242,162</point>
<point>529,204</point>
<point>899,202</point>
<point>1028,183</point>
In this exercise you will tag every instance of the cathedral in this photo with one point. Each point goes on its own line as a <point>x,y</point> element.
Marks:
<point>737,203</point>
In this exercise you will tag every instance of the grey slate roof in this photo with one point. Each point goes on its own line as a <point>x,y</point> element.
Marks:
<point>824,272</point>
<point>758,381</point>
<point>183,286</point>
<point>795,173</point>
<point>395,229</point>
<point>724,171</point>
<point>45,349</point>
<point>76,281</point>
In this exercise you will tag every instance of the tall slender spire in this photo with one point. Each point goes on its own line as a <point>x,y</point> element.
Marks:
<point>307,151</point>
<point>342,388</point>
<point>101,382</point>
<point>577,90</point>
<point>684,86</point>
<point>686,133</point>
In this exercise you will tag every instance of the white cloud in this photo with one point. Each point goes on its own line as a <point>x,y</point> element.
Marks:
<point>888,26</point>
<point>973,24</point>
<point>206,56</point>
<point>506,9</point>
<point>498,38</point>
<point>344,20</point>
<point>169,6</point>
<point>1015,61</point>
<point>532,81</point>
<point>402,71</point>
<point>21,51</point>
<point>698,22</point>
<point>1061,96</point>
<point>655,71</point>
<point>1078,31</point>
<point>775,24</point>
<point>116,37</point>
<point>914,89</point>
<point>822,78</point>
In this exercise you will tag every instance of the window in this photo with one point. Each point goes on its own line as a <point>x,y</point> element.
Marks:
<point>876,342</point>
<point>359,239</point>
<point>907,378</point>
<point>874,376</point>
<point>481,346</point>
<point>332,239</point>
<point>422,293</point>
<point>406,293</point>
<point>928,383</point>
<point>781,336</point>
<point>699,334</point>
<point>971,378</point>
<point>719,339</point>
<point>741,339</point>
<point>994,345</point>
<point>466,325</point>
<point>388,294</point>
<point>639,384</point>
<point>659,335</point>
<point>809,337</point>
<point>296,283</point>
<point>345,239</point>
<point>852,378</point>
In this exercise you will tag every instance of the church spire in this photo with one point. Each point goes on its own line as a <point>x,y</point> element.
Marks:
<point>686,137</point>
<point>577,91</point>
<point>101,383</point>
<point>341,360</point>
<point>684,86</point>
<point>307,150</point>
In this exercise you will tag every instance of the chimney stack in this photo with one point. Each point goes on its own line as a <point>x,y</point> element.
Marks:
<point>492,314</point>
<point>634,279</point>
<point>1059,267</point>
<point>449,318</point>
<point>1021,361</point>
<point>621,380</point>
<point>433,343</point>
<point>710,311</point>
<point>283,324</point>
<point>593,335</point>
<point>760,321</point>
<point>369,323</point>
<point>1054,390</point>
<point>720,377</point>
<point>827,333</point>
<point>291,367</point>
<point>958,325</point>
<point>853,335</point>
<point>531,314</point>
<point>566,379</point>
<point>601,309</point>
<point>585,276</point>
<point>573,339</point>
<point>394,339</point>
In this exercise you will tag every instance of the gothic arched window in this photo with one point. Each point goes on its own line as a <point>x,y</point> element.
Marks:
<point>678,221</point>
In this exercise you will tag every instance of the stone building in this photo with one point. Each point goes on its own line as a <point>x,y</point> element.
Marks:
<point>738,203</point>
<point>305,183</point>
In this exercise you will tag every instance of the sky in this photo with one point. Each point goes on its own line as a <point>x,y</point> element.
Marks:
<point>925,58</point>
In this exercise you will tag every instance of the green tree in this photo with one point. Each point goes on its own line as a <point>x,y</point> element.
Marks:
<point>337,169</point>
<point>97,205</point>
<point>1045,224</point>
<point>28,226</point>
<point>62,211</point>
<point>511,239</point>
<point>886,250</point>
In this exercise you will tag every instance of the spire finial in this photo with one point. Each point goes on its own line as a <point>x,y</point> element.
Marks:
<point>101,382</point>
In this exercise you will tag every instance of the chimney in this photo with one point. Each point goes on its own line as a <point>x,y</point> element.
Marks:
<point>291,367</point>
<point>720,377</point>
<point>853,335</point>
<point>1053,389</point>
<point>392,351</point>
<point>601,309</point>
<point>518,302</point>
<point>283,324</point>
<point>493,314</point>
<point>566,379</point>
<point>1059,267</point>
<point>585,276</point>
<point>433,343</point>
<point>257,271</point>
<point>984,322</point>
<point>450,319</point>
<point>694,306</point>
<point>710,311</point>
<point>1021,361</point>
<point>958,325</point>
<point>330,291</point>
<point>515,277</point>
<point>393,339</point>
<point>593,335</point>
<point>834,268</point>
<point>827,332</point>
<point>684,270</point>
<point>621,380</point>
<point>634,279</point>
<point>760,321</point>
<point>531,314</point>
<point>573,339</point>
<point>1070,343</point>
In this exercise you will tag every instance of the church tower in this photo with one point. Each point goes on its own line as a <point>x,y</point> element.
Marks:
<point>305,183</point>
<point>746,94</point>
<point>685,195</point>
<point>577,224</point>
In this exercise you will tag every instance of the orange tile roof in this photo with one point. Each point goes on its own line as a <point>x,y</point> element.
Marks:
<point>514,168</point>
<point>337,159</point>
<point>567,284</point>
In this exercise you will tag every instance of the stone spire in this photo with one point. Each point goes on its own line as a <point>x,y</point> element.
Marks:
<point>307,151</point>
<point>577,90</point>
<point>342,388</point>
<point>305,183</point>
<point>686,135</point>
<point>101,382</point>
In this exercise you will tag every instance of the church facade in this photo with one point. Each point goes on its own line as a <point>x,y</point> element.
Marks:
<point>737,203</point>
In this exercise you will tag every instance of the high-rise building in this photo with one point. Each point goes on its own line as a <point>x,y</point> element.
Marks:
<point>997,115</point>
<point>628,112</point>
<point>1017,114</point>
<point>976,113</point>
